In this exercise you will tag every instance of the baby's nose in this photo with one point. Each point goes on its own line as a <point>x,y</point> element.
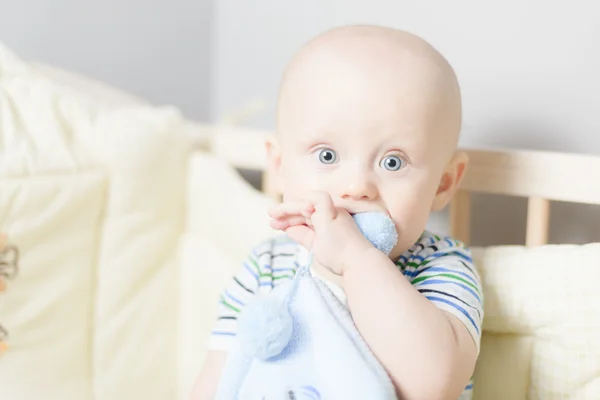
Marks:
<point>360,189</point>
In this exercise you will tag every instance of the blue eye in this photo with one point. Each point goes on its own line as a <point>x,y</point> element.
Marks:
<point>392,163</point>
<point>327,156</point>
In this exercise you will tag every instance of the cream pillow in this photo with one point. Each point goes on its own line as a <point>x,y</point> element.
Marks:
<point>54,219</point>
<point>51,205</point>
<point>145,152</point>
<point>541,331</point>
<point>95,198</point>
<point>226,218</point>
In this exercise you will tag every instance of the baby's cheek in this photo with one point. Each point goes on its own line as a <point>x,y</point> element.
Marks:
<point>410,212</point>
<point>298,182</point>
<point>297,188</point>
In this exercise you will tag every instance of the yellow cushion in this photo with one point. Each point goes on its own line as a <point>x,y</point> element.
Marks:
<point>51,205</point>
<point>541,331</point>
<point>55,221</point>
<point>222,227</point>
<point>94,196</point>
<point>144,152</point>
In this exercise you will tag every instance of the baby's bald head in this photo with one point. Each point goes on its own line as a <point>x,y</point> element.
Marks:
<point>355,68</point>
<point>370,116</point>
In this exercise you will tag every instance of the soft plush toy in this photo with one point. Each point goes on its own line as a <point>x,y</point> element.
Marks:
<point>300,342</point>
<point>9,257</point>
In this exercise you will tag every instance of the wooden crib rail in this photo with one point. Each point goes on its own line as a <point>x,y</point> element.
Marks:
<point>541,177</point>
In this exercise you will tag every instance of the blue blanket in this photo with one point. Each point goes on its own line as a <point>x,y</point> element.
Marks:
<point>300,342</point>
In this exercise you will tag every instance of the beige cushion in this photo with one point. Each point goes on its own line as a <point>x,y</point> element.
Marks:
<point>54,219</point>
<point>144,152</point>
<point>94,196</point>
<point>226,219</point>
<point>542,323</point>
<point>51,205</point>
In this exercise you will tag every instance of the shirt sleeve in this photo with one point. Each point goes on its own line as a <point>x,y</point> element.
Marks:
<point>443,272</point>
<point>240,290</point>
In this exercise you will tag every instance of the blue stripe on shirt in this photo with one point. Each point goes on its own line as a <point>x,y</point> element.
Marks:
<point>283,269</point>
<point>459,308</point>
<point>232,297</point>
<point>444,282</point>
<point>223,333</point>
<point>252,272</point>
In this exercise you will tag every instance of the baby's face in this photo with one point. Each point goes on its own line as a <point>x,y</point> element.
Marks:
<point>369,134</point>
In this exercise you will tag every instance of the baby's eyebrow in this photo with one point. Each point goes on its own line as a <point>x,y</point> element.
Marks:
<point>316,138</point>
<point>327,133</point>
<point>403,154</point>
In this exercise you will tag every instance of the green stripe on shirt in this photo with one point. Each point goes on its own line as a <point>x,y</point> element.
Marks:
<point>458,278</point>
<point>226,304</point>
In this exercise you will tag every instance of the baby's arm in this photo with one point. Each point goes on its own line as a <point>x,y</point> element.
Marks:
<point>238,293</point>
<point>206,385</point>
<point>427,350</point>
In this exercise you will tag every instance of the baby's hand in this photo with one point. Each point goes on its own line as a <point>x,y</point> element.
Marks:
<point>318,225</point>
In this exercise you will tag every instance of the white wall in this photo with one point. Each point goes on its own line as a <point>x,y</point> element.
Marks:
<point>529,69</point>
<point>156,49</point>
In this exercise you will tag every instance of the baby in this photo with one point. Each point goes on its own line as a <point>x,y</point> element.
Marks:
<point>368,119</point>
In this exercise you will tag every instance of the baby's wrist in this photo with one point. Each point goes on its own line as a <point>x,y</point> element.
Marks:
<point>360,255</point>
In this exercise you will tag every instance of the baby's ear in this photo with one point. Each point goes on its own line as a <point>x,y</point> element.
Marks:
<point>451,178</point>
<point>272,173</point>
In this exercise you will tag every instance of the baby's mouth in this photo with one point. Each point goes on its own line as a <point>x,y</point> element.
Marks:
<point>353,213</point>
<point>366,208</point>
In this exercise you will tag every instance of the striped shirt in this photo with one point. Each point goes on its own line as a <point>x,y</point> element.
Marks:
<point>439,267</point>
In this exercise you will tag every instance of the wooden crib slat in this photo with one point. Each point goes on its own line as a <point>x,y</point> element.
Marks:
<point>538,221</point>
<point>553,176</point>
<point>460,216</point>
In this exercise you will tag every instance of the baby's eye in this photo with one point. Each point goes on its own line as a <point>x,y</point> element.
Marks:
<point>327,156</point>
<point>392,163</point>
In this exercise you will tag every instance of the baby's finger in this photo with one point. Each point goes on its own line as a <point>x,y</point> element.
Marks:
<point>302,235</point>
<point>324,207</point>
<point>290,208</point>
<point>284,223</point>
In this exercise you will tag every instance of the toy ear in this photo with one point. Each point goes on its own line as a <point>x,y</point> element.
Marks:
<point>379,229</point>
